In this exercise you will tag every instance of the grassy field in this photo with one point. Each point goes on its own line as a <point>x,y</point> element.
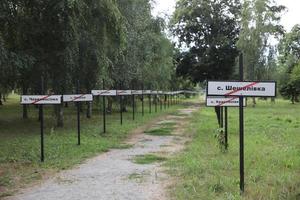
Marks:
<point>272,156</point>
<point>20,140</point>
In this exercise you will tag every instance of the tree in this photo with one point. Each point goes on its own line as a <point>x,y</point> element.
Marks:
<point>209,30</point>
<point>289,59</point>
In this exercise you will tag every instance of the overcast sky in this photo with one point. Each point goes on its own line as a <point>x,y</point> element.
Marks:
<point>289,18</point>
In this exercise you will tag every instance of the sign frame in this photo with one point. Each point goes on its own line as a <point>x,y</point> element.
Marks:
<point>78,99</point>
<point>275,84</point>
<point>223,104</point>
<point>42,98</point>
<point>102,92</point>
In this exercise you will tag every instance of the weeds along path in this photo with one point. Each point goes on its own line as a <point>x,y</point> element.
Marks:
<point>132,173</point>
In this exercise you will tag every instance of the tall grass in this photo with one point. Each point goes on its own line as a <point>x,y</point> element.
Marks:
<point>272,156</point>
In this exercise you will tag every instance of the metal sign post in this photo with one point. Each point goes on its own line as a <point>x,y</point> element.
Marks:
<point>104,93</point>
<point>240,89</point>
<point>133,106</point>
<point>78,116</point>
<point>41,113</point>
<point>143,100</point>
<point>226,128</point>
<point>41,100</point>
<point>241,112</point>
<point>77,98</point>
<point>149,103</point>
<point>104,108</point>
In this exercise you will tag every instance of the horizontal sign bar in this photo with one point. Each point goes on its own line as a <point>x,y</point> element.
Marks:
<point>212,101</point>
<point>154,92</point>
<point>41,99</point>
<point>146,91</point>
<point>124,92</point>
<point>77,97</point>
<point>243,88</point>
<point>137,91</point>
<point>104,92</point>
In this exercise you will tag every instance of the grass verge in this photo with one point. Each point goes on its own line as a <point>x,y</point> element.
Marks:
<point>148,159</point>
<point>272,161</point>
<point>20,163</point>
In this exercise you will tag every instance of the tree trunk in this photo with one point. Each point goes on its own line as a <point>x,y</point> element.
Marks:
<point>89,110</point>
<point>59,115</point>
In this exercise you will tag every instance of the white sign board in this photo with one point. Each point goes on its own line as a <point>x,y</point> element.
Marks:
<point>137,91</point>
<point>77,97</point>
<point>223,101</point>
<point>154,92</point>
<point>124,92</point>
<point>41,99</point>
<point>104,92</point>
<point>146,91</point>
<point>243,88</point>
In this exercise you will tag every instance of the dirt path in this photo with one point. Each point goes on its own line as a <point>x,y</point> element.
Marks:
<point>114,175</point>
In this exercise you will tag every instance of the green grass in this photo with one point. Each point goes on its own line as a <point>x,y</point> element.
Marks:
<point>148,159</point>
<point>159,131</point>
<point>272,156</point>
<point>20,140</point>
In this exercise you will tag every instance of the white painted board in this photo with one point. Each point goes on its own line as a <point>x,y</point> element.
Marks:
<point>137,92</point>
<point>41,99</point>
<point>146,91</point>
<point>124,92</point>
<point>104,92</point>
<point>77,97</point>
<point>241,88</point>
<point>213,101</point>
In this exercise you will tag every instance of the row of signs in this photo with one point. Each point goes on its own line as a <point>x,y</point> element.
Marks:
<point>227,93</point>
<point>56,99</point>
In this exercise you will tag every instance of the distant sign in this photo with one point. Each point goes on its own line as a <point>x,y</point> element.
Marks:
<point>137,91</point>
<point>213,101</point>
<point>77,97</point>
<point>124,92</point>
<point>41,99</point>
<point>146,91</point>
<point>245,88</point>
<point>104,92</point>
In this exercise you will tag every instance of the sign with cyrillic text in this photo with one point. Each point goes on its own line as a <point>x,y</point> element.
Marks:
<point>146,91</point>
<point>77,97</point>
<point>41,99</point>
<point>137,91</point>
<point>124,92</point>
<point>104,92</point>
<point>213,101</point>
<point>245,88</point>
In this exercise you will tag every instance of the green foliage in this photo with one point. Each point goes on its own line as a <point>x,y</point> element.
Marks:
<point>209,30</point>
<point>259,22</point>
<point>86,40</point>
<point>289,49</point>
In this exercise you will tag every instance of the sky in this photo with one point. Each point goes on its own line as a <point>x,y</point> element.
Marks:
<point>289,18</point>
